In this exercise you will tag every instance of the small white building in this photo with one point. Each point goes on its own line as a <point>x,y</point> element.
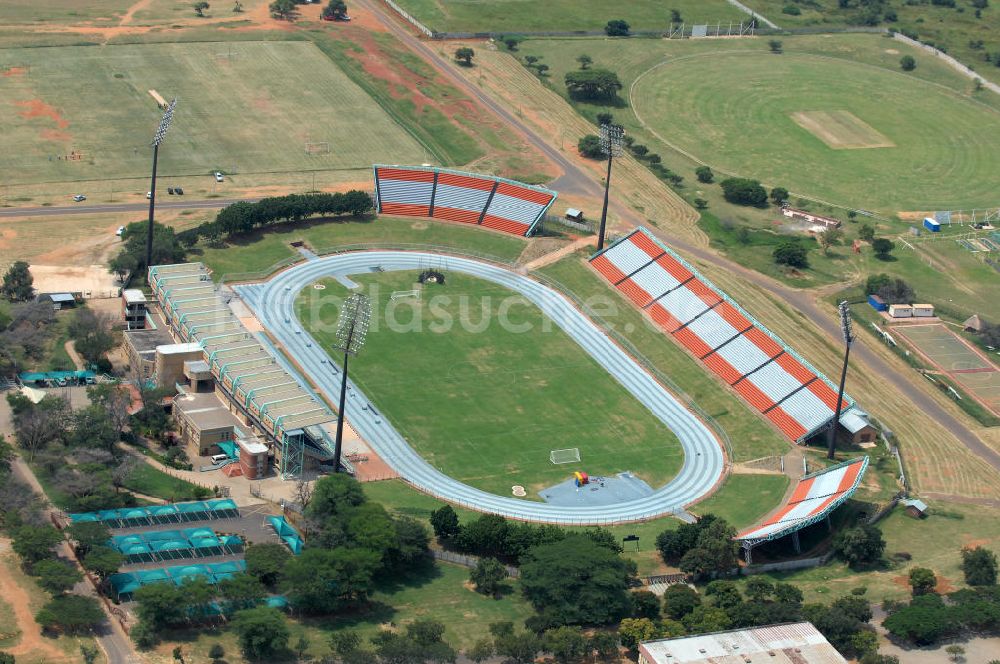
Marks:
<point>791,643</point>
<point>900,311</point>
<point>923,310</point>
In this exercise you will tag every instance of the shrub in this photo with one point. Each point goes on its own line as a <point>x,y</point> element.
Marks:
<point>907,63</point>
<point>704,174</point>
<point>617,28</point>
<point>590,147</point>
<point>744,191</point>
<point>792,254</point>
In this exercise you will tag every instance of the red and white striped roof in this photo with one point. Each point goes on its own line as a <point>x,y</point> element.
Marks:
<point>467,198</point>
<point>754,362</point>
<point>814,496</point>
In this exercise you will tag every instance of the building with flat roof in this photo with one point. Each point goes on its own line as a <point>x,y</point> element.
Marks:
<point>134,308</point>
<point>791,643</point>
<point>140,347</point>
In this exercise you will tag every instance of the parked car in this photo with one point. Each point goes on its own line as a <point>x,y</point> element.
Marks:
<point>170,190</point>
<point>149,195</point>
<point>178,191</point>
<point>120,231</point>
<point>79,197</point>
<point>218,176</point>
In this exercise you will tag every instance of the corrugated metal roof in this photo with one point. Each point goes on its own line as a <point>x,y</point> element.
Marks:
<point>60,297</point>
<point>798,643</point>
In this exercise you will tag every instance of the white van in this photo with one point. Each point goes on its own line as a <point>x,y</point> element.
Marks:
<point>219,458</point>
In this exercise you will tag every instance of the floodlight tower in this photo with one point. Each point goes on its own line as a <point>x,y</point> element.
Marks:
<point>161,131</point>
<point>352,328</point>
<point>847,328</point>
<point>612,139</point>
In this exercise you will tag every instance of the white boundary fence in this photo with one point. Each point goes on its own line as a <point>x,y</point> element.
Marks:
<point>417,24</point>
<point>950,61</point>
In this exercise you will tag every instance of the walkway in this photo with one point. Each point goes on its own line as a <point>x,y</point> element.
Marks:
<point>273,302</point>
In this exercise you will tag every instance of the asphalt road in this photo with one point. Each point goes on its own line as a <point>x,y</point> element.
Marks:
<point>112,208</point>
<point>273,303</point>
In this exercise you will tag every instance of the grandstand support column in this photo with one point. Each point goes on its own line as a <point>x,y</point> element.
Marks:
<point>848,330</point>
<point>612,139</point>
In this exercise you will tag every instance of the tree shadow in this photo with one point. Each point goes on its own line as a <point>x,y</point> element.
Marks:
<point>417,575</point>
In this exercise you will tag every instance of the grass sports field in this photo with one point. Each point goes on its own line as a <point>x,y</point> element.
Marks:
<point>562,15</point>
<point>966,366</point>
<point>832,129</point>
<point>253,112</point>
<point>486,402</point>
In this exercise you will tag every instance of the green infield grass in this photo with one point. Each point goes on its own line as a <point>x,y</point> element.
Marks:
<point>83,113</point>
<point>563,15</point>
<point>840,131</point>
<point>483,386</point>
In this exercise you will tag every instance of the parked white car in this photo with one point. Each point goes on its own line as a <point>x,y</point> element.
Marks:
<point>218,176</point>
<point>79,198</point>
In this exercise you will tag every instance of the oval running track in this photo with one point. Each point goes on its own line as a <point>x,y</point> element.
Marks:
<point>273,303</point>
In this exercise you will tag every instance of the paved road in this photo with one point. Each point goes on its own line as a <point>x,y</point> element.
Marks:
<point>120,207</point>
<point>116,645</point>
<point>273,303</point>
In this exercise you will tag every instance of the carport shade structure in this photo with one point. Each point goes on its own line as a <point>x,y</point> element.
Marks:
<point>815,496</point>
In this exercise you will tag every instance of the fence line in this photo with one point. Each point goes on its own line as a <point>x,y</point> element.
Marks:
<point>469,561</point>
<point>409,19</point>
<point>949,60</point>
<point>754,15</point>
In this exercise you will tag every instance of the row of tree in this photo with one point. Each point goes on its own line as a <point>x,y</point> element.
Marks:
<point>244,217</point>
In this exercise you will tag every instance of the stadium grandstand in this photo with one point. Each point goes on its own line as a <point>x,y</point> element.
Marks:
<point>766,372</point>
<point>265,394</point>
<point>815,496</point>
<point>159,545</point>
<point>125,584</point>
<point>468,198</point>
<point>153,515</point>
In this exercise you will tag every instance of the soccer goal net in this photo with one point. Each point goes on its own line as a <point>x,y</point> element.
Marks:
<point>570,455</point>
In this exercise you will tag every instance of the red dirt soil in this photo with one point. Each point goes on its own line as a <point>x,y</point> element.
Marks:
<point>36,108</point>
<point>15,71</point>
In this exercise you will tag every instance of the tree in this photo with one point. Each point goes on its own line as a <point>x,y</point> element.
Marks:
<point>882,247</point>
<point>334,495</point>
<point>464,55</point>
<point>866,232</point>
<point>123,266</point>
<point>89,653</point>
<point>617,28</point>
<point>700,203</point>
<point>216,652</point>
<point>518,648</point>
<point>590,147</point>
<point>594,84</point>
<point>511,41</point>
<point>262,631</point>
<point>444,521</point>
<point>679,600</point>
<point>178,654</point>
<point>88,534</point>
<point>575,581</point>
<point>56,576</point>
<point>707,619</point>
<point>704,174</point>
<point>775,45</point>
<point>103,561</point>
<point>72,614</point>
<point>34,543</point>
<point>93,429</point>
<point>758,589</point>
<point>829,238</point>
<point>17,283</point>
<point>645,605</point>
<point>922,580</point>
<point>567,644</point>
<point>301,646</point>
<point>907,63</point>
<point>979,566</point>
<point>160,605</point>
<point>115,400</point>
<point>335,9</point>
<point>7,658</point>
<point>488,576</point>
<point>792,254</point>
<point>955,653</point>
<point>200,7</point>
<point>744,191</point>
<point>779,195</point>
<point>584,60</point>
<point>321,580</point>
<point>924,621</point>
<point>481,650</point>
<point>241,591</point>
<point>632,631</point>
<point>282,8</point>
<point>166,247</point>
<point>860,545</point>
<point>91,333</point>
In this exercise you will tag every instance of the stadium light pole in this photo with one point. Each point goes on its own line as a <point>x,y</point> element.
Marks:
<point>352,328</point>
<point>848,330</point>
<point>612,140</point>
<point>161,131</point>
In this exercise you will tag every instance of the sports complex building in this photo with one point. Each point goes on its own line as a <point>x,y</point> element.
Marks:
<point>274,395</point>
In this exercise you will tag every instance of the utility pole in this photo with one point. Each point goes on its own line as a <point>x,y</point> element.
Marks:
<point>161,131</point>
<point>352,328</point>
<point>847,328</point>
<point>612,139</point>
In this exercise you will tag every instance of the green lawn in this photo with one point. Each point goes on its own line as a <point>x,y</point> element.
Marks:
<point>926,158</point>
<point>9,631</point>
<point>732,503</point>
<point>562,15</point>
<point>483,386</point>
<point>439,593</point>
<point>154,482</point>
<point>60,11</point>
<point>260,251</point>
<point>749,435</point>
<point>251,113</point>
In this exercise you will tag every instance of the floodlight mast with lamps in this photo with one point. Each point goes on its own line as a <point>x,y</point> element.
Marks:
<point>847,328</point>
<point>161,132</point>
<point>612,139</point>
<point>352,328</point>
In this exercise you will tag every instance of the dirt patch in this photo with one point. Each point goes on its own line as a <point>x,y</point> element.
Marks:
<point>31,634</point>
<point>841,130</point>
<point>892,51</point>
<point>14,71</point>
<point>36,108</point>
<point>6,237</point>
<point>944,586</point>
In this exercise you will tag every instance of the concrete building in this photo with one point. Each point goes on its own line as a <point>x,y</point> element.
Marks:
<point>140,348</point>
<point>204,422</point>
<point>854,423</point>
<point>170,360</point>
<point>792,643</point>
<point>134,308</point>
<point>253,458</point>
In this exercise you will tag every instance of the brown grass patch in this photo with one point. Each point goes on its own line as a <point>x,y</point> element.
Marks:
<point>841,130</point>
<point>36,108</point>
